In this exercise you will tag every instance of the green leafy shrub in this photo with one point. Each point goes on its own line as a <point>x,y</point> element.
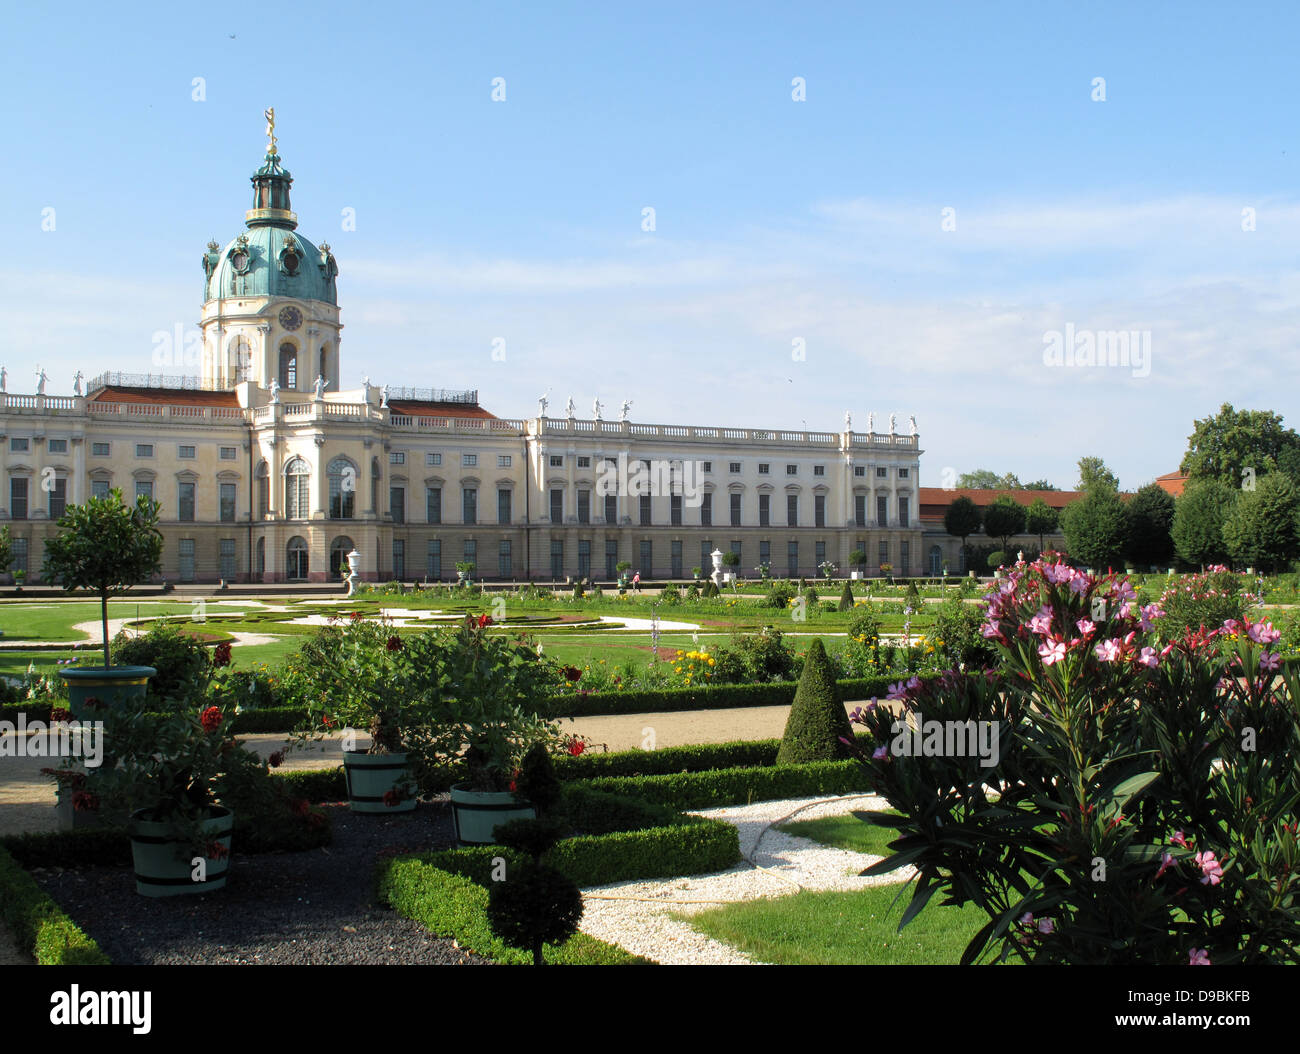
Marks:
<point>703,790</point>
<point>957,636</point>
<point>183,663</point>
<point>846,597</point>
<point>1208,599</point>
<point>778,596</point>
<point>817,719</point>
<point>39,924</point>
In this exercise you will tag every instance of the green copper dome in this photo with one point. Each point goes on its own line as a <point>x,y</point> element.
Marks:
<point>271,258</point>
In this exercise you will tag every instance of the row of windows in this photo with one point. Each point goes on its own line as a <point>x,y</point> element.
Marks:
<point>57,497</point>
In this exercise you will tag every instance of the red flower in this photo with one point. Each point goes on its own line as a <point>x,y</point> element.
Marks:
<point>221,654</point>
<point>392,798</point>
<point>572,673</point>
<point>513,786</point>
<point>60,713</point>
<point>217,851</point>
<point>211,719</point>
<point>355,616</point>
<point>394,643</point>
<point>84,801</point>
<point>484,621</point>
<point>276,759</point>
<point>327,721</point>
<point>577,747</point>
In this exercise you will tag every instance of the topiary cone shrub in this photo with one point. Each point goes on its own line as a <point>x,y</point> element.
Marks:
<point>846,597</point>
<point>817,719</point>
<point>535,904</point>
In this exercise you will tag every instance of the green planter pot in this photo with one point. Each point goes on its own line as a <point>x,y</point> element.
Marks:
<point>111,685</point>
<point>371,776</point>
<point>477,814</point>
<point>163,864</point>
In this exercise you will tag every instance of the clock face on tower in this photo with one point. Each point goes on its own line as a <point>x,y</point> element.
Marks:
<point>290,318</point>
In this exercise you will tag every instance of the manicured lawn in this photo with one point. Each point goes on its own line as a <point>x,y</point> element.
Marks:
<point>829,928</point>
<point>845,832</point>
<point>53,620</point>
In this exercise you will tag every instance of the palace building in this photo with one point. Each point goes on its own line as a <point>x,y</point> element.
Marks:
<point>268,470</point>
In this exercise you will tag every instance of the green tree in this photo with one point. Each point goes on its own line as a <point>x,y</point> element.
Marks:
<point>1199,515</point>
<point>105,545</point>
<point>1039,484</point>
<point>1041,519</point>
<point>1093,474</point>
<point>1222,447</point>
<point>1004,518</point>
<point>985,479</point>
<point>846,597</point>
<point>1096,528</point>
<point>1262,529</point>
<point>817,719</point>
<point>1150,519</point>
<point>962,519</point>
<point>6,549</point>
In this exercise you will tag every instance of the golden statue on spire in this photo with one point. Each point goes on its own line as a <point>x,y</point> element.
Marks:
<point>270,129</point>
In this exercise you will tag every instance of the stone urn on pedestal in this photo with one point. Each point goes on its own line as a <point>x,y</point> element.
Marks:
<point>716,557</point>
<point>354,567</point>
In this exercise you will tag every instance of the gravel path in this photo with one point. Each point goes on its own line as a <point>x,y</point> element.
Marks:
<point>313,907</point>
<point>646,926</point>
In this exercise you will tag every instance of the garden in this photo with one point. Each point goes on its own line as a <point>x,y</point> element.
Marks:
<point>1068,768</point>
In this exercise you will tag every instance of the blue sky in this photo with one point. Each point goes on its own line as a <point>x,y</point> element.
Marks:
<point>775,220</point>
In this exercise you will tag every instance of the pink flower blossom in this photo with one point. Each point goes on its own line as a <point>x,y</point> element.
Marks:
<point>1123,590</point>
<point>1270,660</point>
<point>879,753</point>
<point>1166,861</point>
<point>1263,633</point>
<point>897,691</point>
<point>990,629</point>
<point>1058,573</point>
<point>1178,839</point>
<point>1198,957</point>
<point>1042,622</point>
<point>1051,651</point>
<point>1086,626</point>
<point>1108,650</point>
<point>1046,926</point>
<point>1211,868</point>
<point>1148,657</point>
<point>1079,583</point>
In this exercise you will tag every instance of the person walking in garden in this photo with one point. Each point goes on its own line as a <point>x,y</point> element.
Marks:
<point>636,582</point>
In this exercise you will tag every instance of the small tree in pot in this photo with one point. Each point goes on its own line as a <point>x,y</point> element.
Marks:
<point>107,546</point>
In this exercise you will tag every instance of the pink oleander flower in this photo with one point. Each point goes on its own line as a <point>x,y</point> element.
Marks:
<point>879,752</point>
<point>1108,650</point>
<point>1046,926</point>
<point>1148,657</point>
<point>1123,590</point>
<point>990,629</point>
<point>1263,633</point>
<point>1079,583</point>
<point>1051,651</point>
<point>897,690</point>
<point>1151,612</point>
<point>1270,660</point>
<point>1198,957</point>
<point>1086,626</point>
<point>1058,573</point>
<point>913,683</point>
<point>1027,919</point>
<point>1166,862</point>
<point>1230,626</point>
<point>1178,839</point>
<point>1041,623</point>
<point>1211,868</point>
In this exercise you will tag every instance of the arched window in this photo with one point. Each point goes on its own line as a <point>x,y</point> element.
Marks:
<point>296,562</point>
<point>263,477</point>
<point>343,489</point>
<point>297,489</point>
<point>323,372</point>
<point>936,560</point>
<point>241,357</point>
<point>339,549</point>
<point>259,561</point>
<point>288,366</point>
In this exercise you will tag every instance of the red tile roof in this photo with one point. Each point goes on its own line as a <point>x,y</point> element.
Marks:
<point>464,411</point>
<point>169,396</point>
<point>1172,482</point>
<point>935,500</point>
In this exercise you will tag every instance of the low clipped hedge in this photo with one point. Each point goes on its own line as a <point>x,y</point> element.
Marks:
<point>736,786</point>
<point>451,905</point>
<point>39,924</point>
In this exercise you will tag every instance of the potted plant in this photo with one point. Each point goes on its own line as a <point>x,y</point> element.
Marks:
<point>764,571</point>
<point>360,675</point>
<point>484,693</point>
<point>827,569</point>
<point>858,559</point>
<point>697,573</point>
<point>166,774</point>
<point>731,560</point>
<point>464,569</point>
<point>107,546</point>
<point>622,567</point>
<point>20,577</point>
<point>887,571</point>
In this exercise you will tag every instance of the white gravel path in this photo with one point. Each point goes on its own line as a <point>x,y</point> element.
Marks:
<point>785,864</point>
